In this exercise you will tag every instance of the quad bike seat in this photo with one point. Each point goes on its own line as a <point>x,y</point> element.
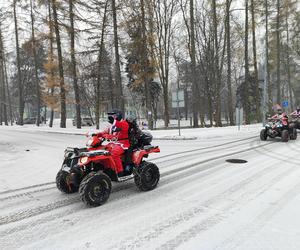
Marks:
<point>149,147</point>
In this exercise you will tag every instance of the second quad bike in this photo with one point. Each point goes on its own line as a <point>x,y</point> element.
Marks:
<point>91,170</point>
<point>295,120</point>
<point>278,128</point>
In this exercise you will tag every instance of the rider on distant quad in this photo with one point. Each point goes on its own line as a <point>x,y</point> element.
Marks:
<point>119,133</point>
<point>280,116</point>
<point>295,121</point>
<point>296,113</point>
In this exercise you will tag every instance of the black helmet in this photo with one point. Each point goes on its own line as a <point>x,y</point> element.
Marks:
<point>115,114</point>
<point>298,109</point>
<point>279,111</point>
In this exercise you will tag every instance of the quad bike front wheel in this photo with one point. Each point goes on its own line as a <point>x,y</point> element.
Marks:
<point>285,136</point>
<point>95,189</point>
<point>147,176</point>
<point>263,135</point>
<point>62,183</point>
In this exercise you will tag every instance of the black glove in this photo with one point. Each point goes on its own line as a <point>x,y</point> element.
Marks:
<point>111,119</point>
<point>94,135</point>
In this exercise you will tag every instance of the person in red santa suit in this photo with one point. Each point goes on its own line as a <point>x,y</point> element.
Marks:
<point>119,132</point>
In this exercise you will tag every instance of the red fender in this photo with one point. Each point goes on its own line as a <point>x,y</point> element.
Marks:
<point>140,154</point>
<point>105,160</point>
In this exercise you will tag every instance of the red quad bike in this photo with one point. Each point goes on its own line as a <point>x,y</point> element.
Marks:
<point>278,128</point>
<point>91,170</point>
<point>295,121</point>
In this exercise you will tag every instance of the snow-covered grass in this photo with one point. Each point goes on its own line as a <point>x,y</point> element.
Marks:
<point>161,134</point>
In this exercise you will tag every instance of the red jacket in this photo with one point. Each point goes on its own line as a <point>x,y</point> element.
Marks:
<point>118,130</point>
<point>283,117</point>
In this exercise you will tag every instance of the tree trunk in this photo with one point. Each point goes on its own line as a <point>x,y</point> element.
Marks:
<point>73,65</point>
<point>37,84</point>
<point>246,104</point>
<point>229,87</point>
<point>63,115</point>
<point>288,63</point>
<point>100,55</point>
<point>269,89</point>
<point>118,79</point>
<point>257,92</point>
<point>217,67</point>
<point>20,87</point>
<point>145,63</point>
<point>51,60</point>
<point>3,79</point>
<point>193,66</point>
<point>3,103</point>
<point>7,90</point>
<point>278,100</point>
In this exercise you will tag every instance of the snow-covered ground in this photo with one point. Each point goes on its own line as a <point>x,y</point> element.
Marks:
<point>201,202</point>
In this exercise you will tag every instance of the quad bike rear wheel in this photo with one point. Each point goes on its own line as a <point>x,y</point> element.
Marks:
<point>294,134</point>
<point>147,176</point>
<point>285,136</point>
<point>263,135</point>
<point>95,189</point>
<point>62,183</point>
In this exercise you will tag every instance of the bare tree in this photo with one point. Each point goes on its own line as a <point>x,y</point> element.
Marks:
<point>63,115</point>
<point>145,63</point>
<point>3,104</point>
<point>118,79</point>
<point>229,85</point>
<point>269,89</point>
<point>164,12</point>
<point>247,105</point>
<point>20,87</point>
<point>100,57</point>
<point>37,84</point>
<point>257,93</point>
<point>193,65</point>
<point>216,66</point>
<point>73,65</point>
<point>278,47</point>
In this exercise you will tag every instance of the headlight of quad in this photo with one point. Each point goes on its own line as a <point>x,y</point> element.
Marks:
<point>84,160</point>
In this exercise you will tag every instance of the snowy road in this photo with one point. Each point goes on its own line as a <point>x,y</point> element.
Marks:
<point>202,202</point>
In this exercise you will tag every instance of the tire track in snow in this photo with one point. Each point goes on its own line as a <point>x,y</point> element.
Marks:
<point>182,217</point>
<point>154,160</point>
<point>219,216</point>
<point>24,214</point>
<point>205,206</point>
<point>21,215</point>
<point>201,149</point>
<point>263,218</point>
<point>214,158</point>
<point>25,188</point>
<point>179,159</point>
<point>20,195</point>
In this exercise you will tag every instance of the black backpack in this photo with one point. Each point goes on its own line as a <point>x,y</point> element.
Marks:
<point>134,132</point>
